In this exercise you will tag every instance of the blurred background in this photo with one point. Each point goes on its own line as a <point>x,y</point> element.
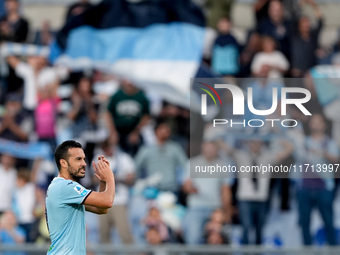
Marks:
<point>115,76</point>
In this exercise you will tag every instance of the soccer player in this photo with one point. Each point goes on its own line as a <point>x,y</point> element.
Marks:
<point>67,200</point>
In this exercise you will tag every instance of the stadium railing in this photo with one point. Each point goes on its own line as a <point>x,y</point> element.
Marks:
<point>100,249</point>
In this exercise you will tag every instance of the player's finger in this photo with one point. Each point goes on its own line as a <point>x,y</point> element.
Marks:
<point>100,165</point>
<point>94,167</point>
<point>106,161</point>
<point>98,177</point>
<point>103,165</point>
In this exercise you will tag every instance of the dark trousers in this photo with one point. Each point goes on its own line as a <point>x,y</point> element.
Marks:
<point>323,200</point>
<point>28,227</point>
<point>252,216</point>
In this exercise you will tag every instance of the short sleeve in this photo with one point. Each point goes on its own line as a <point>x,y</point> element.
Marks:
<point>74,193</point>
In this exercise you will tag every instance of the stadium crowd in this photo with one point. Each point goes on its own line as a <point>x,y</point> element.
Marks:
<point>146,139</point>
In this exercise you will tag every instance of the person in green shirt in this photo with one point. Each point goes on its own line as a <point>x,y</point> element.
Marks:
<point>128,111</point>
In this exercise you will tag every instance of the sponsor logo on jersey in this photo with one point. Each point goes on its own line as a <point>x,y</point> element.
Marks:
<point>80,190</point>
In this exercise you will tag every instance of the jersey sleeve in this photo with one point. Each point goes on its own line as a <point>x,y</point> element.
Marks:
<point>74,193</point>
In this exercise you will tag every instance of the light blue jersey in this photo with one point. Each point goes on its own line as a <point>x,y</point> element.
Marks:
<point>65,215</point>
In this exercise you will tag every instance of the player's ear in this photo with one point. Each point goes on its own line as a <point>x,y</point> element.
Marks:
<point>63,163</point>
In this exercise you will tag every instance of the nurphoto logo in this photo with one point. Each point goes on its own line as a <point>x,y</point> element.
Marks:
<point>239,104</point>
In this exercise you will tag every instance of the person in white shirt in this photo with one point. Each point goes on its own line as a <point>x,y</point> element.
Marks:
<point>269,62</point>
<point>123,167</point>
<point>38,78</point>
<point>25,202</point>
<point>8,176</point>
<point>253,186</point>
<point>40,93</point>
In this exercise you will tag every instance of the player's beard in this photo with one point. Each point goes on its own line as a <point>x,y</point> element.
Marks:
<point>75,173</point>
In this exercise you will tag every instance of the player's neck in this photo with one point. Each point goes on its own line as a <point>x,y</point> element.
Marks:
<point>66,176</point>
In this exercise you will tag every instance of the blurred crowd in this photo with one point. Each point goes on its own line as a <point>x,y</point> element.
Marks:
<point>146,139</point>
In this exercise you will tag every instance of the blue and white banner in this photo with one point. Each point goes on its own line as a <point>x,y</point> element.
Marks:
<point>156,44</point>
<point>26,150</point>
<point>21,49</point>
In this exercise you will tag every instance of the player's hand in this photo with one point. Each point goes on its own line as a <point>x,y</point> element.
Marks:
<point>104,159</point>
<point>102,170</point>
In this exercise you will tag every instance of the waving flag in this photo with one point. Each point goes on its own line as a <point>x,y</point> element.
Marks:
<point>156,44</point>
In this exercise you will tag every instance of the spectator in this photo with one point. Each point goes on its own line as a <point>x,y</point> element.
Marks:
<point>153,237</point>
<point>305,43</point>
<point>159,169</point>
<point>38,79</point>
<point>215,238</point>
<point>154,220</point>
<point>277,27</point>
<point>44,36</point>
<point>261,10</point>
<point>8,175</point>
<point>25,202</point>
<point>10,233</point>
<point>165,158</point>
<point>124,169</point>
<point>269,62</point>
<point>205,195</point>
<point>317,188</point>
<point>128,112</point>
<point>217,10</point>
<point>216,229</point>
<point>13,27</point>
<point>253,187</point>
<point>225,50</point>
<point>85,108</point>
<point>178,120</point>
<point>40,94</point>
<point>77,9</point>
<point>252,47</point>
<point>15,124</point>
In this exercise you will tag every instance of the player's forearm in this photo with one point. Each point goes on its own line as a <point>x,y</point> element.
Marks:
<point>96,210</point>
<point>145,119</point>
<point>102,186</point>
<point>109,193</point>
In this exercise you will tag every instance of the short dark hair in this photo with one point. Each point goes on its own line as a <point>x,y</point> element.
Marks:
<point>23,174</point>
<point>159,122</point>
<point>62,151</point>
